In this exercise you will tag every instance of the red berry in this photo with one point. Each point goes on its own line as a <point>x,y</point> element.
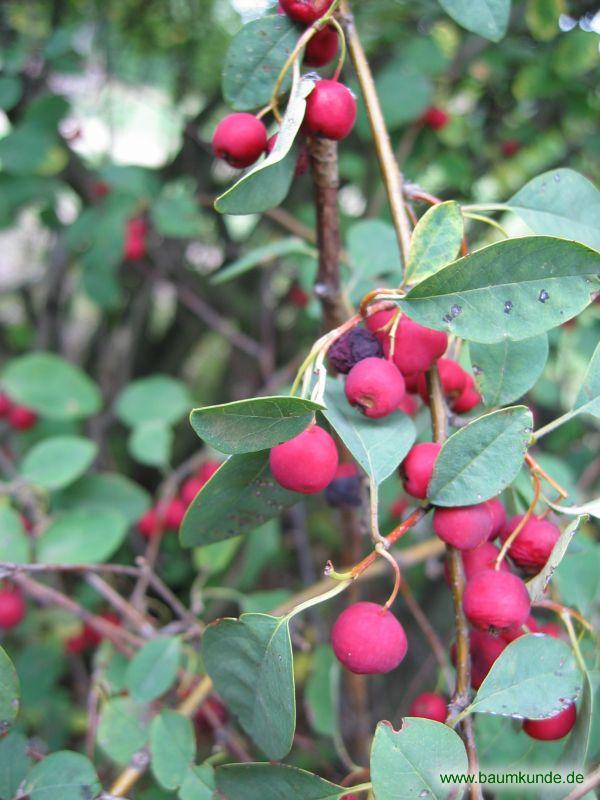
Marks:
<point>498,513</point>
<point>148,523</point>
<point>380,322</point>
<point>516,631</point>
<point>417,468</point>
<point>5,404</point>
<point>306,463</point>
<point>174,514</point>
<point>240,139</point>
<point>553,728</point>
<point>408,404</point>
<point>551,629</point>
<point>298,297</point>
<point>452,378</point>
<point>322,48</point>
<point>468,398</point>
<point>76,644</point>
<point>464,527</point>
<point>532,547</point>
<point>435,118</point>
<point>305,11</point>
<point>416,347</point>
<point>100,189</point>
<point>21,418</point>
<point>368,639</point>
<point>510,147</point>
<point>482,557</point>
<point>12,608</point>
<point>375,386</point>
<point>484,650</point>
<point>429,706</point>
<point>496,599</point>
<point>190,488</point>
<point>330,110</point>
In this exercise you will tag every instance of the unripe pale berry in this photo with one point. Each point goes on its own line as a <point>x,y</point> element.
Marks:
<point>375,386</point>
<point>322,48</point>
<point>344,489</point>
<point>368,639</point>
<point>330,110</point>
<point>498,512</point>
<point>240,139</point>
<point>417,468</point>
<point>305,11</point>
<point>306,463</point>
<point>354,346</point>
<point>429,705</point>
<point>21,418</point>
<point>12,608</point>
<point>464,527</point>
<point>496,599</point>
<point>553,728</point>
<point>435,118</point>
<point>534,544</point>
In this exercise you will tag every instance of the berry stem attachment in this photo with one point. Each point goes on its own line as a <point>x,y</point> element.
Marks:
<point>526,517</point>
<point>381,549</point>
<point>315,601</point>
<point>343,49</point>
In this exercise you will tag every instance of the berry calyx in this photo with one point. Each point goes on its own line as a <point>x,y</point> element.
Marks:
<point>12,608</point>
<point>330,110</point>
<point>240,139</point>
<point>534,544</point>
<point>429,705</point>
<point>555,727</point>
<point>322,48</point>
<point>375,386</point>
<point>435,118</point>
<point>494,599</point>
<point>344,489</point>
<point>306,463</point>
<point>354,346</point>
<point>464,527</point>
<point>417,468</point>
<point>305,11</point>
<point>21,418</point>
<point>368,639</point>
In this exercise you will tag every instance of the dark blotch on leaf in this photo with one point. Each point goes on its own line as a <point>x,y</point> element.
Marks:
<point>508,306</point>
<point>543,296</point>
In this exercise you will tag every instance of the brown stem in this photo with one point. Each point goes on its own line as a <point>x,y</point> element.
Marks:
<point>592,780</point>
<point>392,177</point>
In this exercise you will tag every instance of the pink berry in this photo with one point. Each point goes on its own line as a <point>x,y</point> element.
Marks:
<point>417,468</point>
<point>555,727</point>
<point>429,705</point>
<point>306,463</point>
<point>174,514</point>
<point>375,386</point>
<point>148,523</point>
<point>435,118</point>
<point>516,631</point>
<point>498,513</point>
<point>305,11</point>
<point>534,544</point>
<point>322,48</point>
<point>484,649</point>
<point>416,347</point>
<point>494,599</point>
<point>12,608</point>
<point>368,639</point>
<point>330,110</point>
<point>240,139</point>
<point>468,398</point>
<point>21,418</point>
<point>482,557</point>
<point>408,404</point>
<point>464,527</point>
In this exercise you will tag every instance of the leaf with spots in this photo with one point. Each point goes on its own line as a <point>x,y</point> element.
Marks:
<point>62,776</point>
<point>505,371</point>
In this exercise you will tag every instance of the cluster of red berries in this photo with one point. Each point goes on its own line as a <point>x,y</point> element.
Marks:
<point>323,46</point>
<point>134,247</point>
<point>168,515</point>
<point>20,418</point>
<point>12,608</point>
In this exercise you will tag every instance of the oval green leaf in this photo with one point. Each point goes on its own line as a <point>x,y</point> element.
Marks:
<point>250,425</point>
<point>9,692</point>
<point>488,18</point>
<point>15,544</point>
<point>588,397</point>
<point>505,371</point>
<point>123,729</point>
<point>151,443</point>
<point>513,289</point>
<point>198,784</point>
<point>260,256</point>
<point>480,460</point>
<point>158,398</point>
<point>408,763</point>
<point>14,763</point>
<point>534,677</point>
<point>153,669</point>
<point>250,663</point>
<point>62,776</point>
<point>51,386</point>
<point>78,537</point>
<point>172,748</point>
<point>273,782</point>
<point>106,491</point>
<point>435,241</point>
<point>57,462</point>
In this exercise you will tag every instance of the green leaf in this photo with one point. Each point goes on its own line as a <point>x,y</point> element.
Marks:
<point>538,585</point>
<point>62,776</point>
<point>373,248</point>
<point>378,445</point>
<point>176,211</point>
<point>106,491</point>
<point>250,663</point>
<point>153,669</point>
<point>480,460</point>
<point>578,576</point>
<point>560,202</point>
<point>505,371</point>
<point>266,185</point>
<point>255,58</point>
<point>404,92</point>
<point>11,89</point>
<point>78,537</point>
<point>122,729</point>
<point>261,255</point>
<point>172,748</point>
<point>15,544</point>
<point>246,426</point>
<point>9,691</point>
<point>14,763</point>
<point>51,386</point>
<point>239,497</point>
<point>512,289</point>
<point>158,398</point>
<point>273,782</point>
<point>320,693</point>
<point>151,443</point>
<point>578,744</point>
<point>488,18</point>
<point>408,763</point>
<point>435,241</point>
<point>57,462</point>
<point>198,784</point>
<point>588,397</point>
<point>534,677</point>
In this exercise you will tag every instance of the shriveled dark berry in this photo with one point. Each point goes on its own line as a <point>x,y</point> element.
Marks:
<point>343,492</point>
<point>352,347</point>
